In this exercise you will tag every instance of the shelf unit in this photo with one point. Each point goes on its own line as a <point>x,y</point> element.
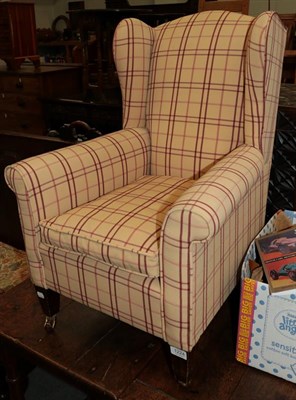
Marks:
<point>67,51</point>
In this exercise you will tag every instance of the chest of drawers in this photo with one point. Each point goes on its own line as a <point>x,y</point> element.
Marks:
<point>21,93</point>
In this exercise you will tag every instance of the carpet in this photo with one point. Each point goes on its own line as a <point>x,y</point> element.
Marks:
<point>14,267</point>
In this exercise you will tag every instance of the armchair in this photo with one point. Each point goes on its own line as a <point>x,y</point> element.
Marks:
<point>150,224</point>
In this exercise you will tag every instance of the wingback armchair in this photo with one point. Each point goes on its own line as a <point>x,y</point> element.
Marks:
<point>150,224</point>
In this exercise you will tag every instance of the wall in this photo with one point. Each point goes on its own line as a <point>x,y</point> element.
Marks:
<point>44,13</point>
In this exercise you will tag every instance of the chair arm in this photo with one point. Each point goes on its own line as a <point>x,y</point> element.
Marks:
<point>52,183</point>
<point>211,200</point>
<point>202,242</point>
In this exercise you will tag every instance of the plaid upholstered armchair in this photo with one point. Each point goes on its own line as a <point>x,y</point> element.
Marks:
<point>150,224</point>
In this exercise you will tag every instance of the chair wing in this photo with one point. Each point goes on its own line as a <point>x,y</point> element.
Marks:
<point>194,83</point>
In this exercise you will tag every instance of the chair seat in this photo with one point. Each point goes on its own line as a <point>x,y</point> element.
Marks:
<point>121,228</point>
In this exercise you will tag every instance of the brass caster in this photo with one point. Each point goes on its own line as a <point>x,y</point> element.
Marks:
<point>50,323</point>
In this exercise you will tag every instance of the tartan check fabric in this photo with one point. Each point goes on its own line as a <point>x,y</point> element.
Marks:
<point>203,83</point>
<point>127,296</point>
<point>121,228</point>
<point>151,223</point>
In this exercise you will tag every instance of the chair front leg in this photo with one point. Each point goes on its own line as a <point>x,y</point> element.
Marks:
<point>50,303</point>
<point>181,365</point>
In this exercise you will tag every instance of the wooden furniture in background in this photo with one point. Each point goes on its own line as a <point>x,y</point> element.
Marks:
<point>241,6</point>
<point>105,118</point>
<point>97,26</point>
<point>289,20</point>
<point>21,92</point>
<point>282,184</point>
<point>59,50</point>
<point>183,6</point>
<point>289,67</point>
<point>18,34</point>
<point>100,81</point>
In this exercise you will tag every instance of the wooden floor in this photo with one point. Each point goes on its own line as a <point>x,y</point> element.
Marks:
<point>110,360</point>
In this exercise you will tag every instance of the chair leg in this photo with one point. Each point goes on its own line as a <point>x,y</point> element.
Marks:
<point>50,303</point>
<point>181,365</point>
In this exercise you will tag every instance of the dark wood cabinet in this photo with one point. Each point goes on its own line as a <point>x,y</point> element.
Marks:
<point>21,93</point>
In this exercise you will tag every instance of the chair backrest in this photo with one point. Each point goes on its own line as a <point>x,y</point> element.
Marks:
<point>202,85</point>
<point>241,6</point>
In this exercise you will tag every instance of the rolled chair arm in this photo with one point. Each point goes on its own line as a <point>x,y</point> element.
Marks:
<point>194,226</point>
<point>209,202</point>
<point>52,183</point>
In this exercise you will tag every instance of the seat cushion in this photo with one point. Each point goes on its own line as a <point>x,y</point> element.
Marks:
<point>121,228</point>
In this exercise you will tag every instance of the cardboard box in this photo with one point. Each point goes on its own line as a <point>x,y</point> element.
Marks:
<point>267,322</point>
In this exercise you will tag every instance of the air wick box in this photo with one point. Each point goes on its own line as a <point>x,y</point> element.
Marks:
<point>267,322</point>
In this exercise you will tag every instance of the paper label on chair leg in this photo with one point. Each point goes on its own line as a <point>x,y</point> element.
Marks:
<point>178,352</point>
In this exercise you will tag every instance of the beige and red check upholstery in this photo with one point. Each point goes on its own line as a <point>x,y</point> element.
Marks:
<point>150,224</point>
